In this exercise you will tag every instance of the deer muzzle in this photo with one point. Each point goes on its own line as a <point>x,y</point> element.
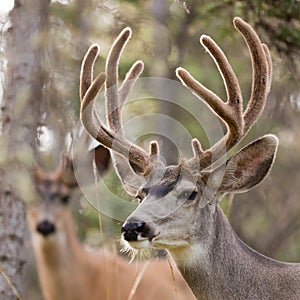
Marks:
<point>45,228</point>
<point>136,230</point>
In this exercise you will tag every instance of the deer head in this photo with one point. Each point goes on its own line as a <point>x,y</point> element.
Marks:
<point>178,203</point>
<point>55,190</point>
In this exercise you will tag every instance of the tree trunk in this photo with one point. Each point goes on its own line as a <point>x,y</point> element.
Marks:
<point>19,120</point>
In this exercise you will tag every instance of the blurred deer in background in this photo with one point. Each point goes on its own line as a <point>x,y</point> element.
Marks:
<point>214,261</point>
<point>68,270</point>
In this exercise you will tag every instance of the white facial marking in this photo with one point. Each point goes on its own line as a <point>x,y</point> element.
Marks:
<point>164,243</point>
<point>140,244</point>
<point>190,256</point>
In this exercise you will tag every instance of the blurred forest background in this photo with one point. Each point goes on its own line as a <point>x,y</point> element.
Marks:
<point>165,35</point>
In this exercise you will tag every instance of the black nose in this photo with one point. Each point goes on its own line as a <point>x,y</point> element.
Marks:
<point>131,230</point>
<point>45,228</point>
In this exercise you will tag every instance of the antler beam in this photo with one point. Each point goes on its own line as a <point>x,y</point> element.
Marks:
<point>238,123</point>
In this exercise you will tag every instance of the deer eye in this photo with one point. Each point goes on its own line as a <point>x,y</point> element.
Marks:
<point>189,195</point>
<point>193,195</point>
<point>140,196</point>
<point>65,199</point>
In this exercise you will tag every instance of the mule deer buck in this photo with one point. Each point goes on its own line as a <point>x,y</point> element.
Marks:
<point>213,260</point>
<point>67,269</point>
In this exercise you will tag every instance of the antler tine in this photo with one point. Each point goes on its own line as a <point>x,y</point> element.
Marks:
<point>130,79</point>
<point>112,89</point>
<point>95,127</point>
<point>154,148</point>
<point>261,65</point>
<point>113,58</point>
<point>269,66</point>
<point>86,79</point>
<point>112,65</point>
<point>197,148</point>
<point>86,72</point>
<point>86,76</point>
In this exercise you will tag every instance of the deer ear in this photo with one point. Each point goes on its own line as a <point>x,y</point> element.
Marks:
<point>100,155</point>
<point>250,165</point>
<point>67,172</point>
<point>102,159</point>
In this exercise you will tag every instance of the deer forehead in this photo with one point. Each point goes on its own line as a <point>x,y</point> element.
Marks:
<point>167,180</point>
<point>52,188</point>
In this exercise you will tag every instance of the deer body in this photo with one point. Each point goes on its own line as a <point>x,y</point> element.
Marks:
<point>215,263</point>
<point>179,205</point>
<point>223,267</point>
<point>69,271</point>
<point>66,269</point>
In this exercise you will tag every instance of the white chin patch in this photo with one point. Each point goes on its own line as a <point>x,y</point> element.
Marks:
<point>140,243</point>
<point>168,244</point>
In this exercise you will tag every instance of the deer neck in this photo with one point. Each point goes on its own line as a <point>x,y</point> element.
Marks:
<point>56,256</point>
<point>215,266</point>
